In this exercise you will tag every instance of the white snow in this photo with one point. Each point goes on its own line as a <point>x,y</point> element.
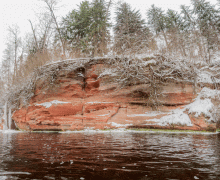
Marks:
<point>119,125</point>
<point>95,102</point>
<point>9,131</point>
<point>160,42</point>
<point>144,55</point>
<point>208,93</point>
<point>137,115</point>
<point>147,114</point>
<point>108,72</point>
<point>104,115</point>
<point>201,105</point>
<point>49,104</point>
<point>149,62</point>
<point>216,58</point>
<point>177,117</point>
<point>205,77</point>
<point>80,74</point>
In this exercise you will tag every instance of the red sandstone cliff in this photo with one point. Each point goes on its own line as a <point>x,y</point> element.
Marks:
<point>82,99</point>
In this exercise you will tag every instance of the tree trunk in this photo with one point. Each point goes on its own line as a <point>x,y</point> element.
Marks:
<point>5,126</point>
<point>165,37</point>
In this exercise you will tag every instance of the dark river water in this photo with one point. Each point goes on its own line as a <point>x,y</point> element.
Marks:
<point>109,155</point>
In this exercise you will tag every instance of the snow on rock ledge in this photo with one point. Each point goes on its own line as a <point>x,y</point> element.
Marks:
<point>203,104</point>
<point>86,98</point>
<point>200,106</point>
<point>178,117</point>
<point>49,104</point>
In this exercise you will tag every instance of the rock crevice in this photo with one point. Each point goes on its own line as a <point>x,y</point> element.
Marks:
<point>84,98</point>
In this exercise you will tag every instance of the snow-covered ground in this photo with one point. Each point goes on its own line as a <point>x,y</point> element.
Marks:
<point>119,125</point>
<point>177,117</point>
<point>202,105</point>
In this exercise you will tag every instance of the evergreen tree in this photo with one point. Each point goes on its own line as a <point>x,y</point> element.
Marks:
<point>86,29</point>
<point>157,20</point>
<point>173,20</point>
<point>207,18</point>
<point>191,38</point>
<point>131,33</point>
<point>76,28</point>
<point>99,32</point>
<point>175,33</point>
<point>188,21</point>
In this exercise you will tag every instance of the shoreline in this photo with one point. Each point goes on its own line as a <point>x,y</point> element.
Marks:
<point>121,130</point>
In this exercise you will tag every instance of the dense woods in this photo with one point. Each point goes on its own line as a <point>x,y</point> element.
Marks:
<point>190,36</point>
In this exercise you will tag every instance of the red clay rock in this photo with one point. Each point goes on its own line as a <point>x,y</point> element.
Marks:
<point>92,102</point>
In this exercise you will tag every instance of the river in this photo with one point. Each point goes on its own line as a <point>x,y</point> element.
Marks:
<point>109,155</point>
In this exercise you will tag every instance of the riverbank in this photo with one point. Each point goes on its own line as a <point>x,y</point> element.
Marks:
<point>115,93</point>
<point>120,130</point>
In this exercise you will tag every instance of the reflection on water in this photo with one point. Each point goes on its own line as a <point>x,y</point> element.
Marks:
<point>110,155</point>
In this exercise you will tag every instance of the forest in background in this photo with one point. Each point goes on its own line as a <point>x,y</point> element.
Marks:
<point>191,35</point>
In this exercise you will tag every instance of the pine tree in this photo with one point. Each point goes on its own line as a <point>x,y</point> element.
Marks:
<point>86,29</point>
<point>188,21</point>
<point>207,19</point>
<point>191,39</point>
<point>174,31</point>
<point>76,28</point>
<point>99,32</point>
<point>131,33</point>
<point>157,21</point>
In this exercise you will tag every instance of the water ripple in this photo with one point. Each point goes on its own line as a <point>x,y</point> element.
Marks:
<point>127,155</point>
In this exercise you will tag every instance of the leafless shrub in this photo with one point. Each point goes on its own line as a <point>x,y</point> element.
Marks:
<point>126,71</point>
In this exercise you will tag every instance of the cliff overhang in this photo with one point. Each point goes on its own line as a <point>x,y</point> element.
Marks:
<point>104,93</point>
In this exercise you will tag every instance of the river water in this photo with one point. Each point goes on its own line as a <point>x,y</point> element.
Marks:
<point>109,155</point>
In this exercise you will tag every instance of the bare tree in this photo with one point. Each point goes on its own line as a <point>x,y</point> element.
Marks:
<point>51,6</point>
<point>16,41</point>
<point>34,34</point>
<point>6,64</point>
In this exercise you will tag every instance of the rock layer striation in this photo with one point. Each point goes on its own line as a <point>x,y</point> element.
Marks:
<point>83,98</point>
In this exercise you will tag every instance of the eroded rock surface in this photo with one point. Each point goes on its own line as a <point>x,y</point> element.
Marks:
<point>82,99</point>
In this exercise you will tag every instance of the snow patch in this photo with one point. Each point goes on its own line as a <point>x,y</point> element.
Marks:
<point>144,55</point>
<point>119,125</point>
<point>137,115</point>
<point>208,77</point>
<point>95,102</point>
<point>216,58</point>
<point>150,62</point>
<point>200,106</point>
<point>80,74</point>
<point>178,117</point>
<point>161,43</point>
<point>203,103</point>
<point>49,104</point>
<point>208,93</point>
<point>147,114</point>
<point>205,77</point>
<point>108,72</point>
<point>9,131</point>
<point>104,115</point>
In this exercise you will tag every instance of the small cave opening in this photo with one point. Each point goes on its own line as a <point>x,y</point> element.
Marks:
<point>81,75</point>
<point>140,94</point>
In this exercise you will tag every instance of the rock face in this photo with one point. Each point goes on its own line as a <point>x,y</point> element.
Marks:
<point>83,99</point>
